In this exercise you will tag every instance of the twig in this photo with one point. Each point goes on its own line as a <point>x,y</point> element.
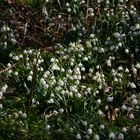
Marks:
<point>6,69</point>
<point>25,29</point>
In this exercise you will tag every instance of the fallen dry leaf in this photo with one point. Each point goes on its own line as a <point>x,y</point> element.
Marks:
<point>107,89</point>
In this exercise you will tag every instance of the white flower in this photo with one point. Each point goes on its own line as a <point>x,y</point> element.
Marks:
<point>100,112</point>
<point>67,4</point>
<point>3,29</point>
<point>62,70</point>
<point>92,35</point>
<point>13,40</point>
<point>90,10</point>
<point>70,94</point>
<point>6,86</point>
<point>110,99</point>
<point>89,131</point>
<point>131,116</point>
<point>137,26</point>
<point>115,79</point>
<point>52,60</point>
<point>1,106</point>
<point>99,80</point>
<point>29,78</point>
<point>63,92</point>
<point>116,35</point>
<point>84,77</point>
<point>70,71</point>
<point>78,136</point>
<point>30,51</point>
<point>15,58</point>
<point>31,73</point>
<point>106,107</point>
<point>5,43</point>
<point>27,59</point>
<point>59,16</point>
<point>20,112</point>
<point>124,107</point>
<point>69,10</point>
<point>95,49</point>
<point>92,14</point>
<point>55,67</point>
<point>77,70</point>
<point>129,109</point>
<point>20,56</point>
<point>91,126</point>
<point>107,2</point>
<point>98,101</point>
<point>3,89</point>
<point>78,95</point>
<point>39,61</point>
<point>133,96</point>
<point>99,1</point>
<point>134,70</point>
<point>120,80</point>
<point>119,44</point>
<point>47,127</point>
<point>91,70</point>
<point>102,50</point>
<point>51,101</point>
<point>16,73</point>
<point>47,72</point>
<point>121,1</point>
<point>60,83</point>
<point>7,28</point>
<point>24,115</point>
<point>77,82</point>
<point>120,68</point>
<point>42,81</point>
<point>96,137</point>
<point>126,51</point>
<point>124,129</point>
<point>82,69</point>
<point>137,66</point>
<point>52,95</point>
<point>16,115</point>
<point>61,110</point>
<point>85,59</point>
<point>119,75</point>
<point>38,53</point>
<point>40,69</point>
<point>97,67</point>
<point>1,94</point>
<point>111,135</point>
<point>108,62</point>
<point>9,65</point>
<point>120,136</point>
<point>45,75</point>
<point>10,55</point>
<point>134,102</point>
<point>102,126</point>
<point>132,85</point>
<point>80,65</point>
<point>127,70</point>
<point>84,123</point>
<point>33,100</point>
